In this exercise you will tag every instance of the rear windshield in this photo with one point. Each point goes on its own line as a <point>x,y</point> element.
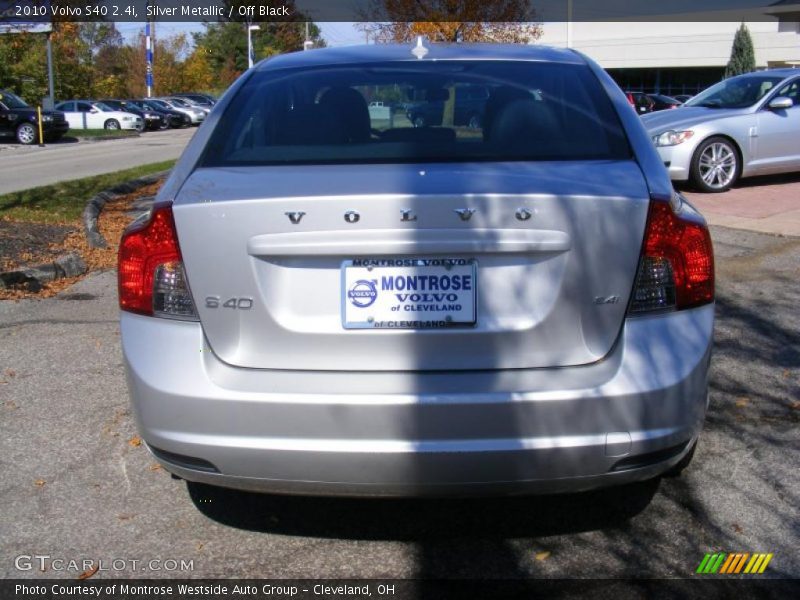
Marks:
<point>421,111</point>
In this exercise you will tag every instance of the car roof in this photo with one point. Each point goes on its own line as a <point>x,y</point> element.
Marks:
<point>782,72</point>
<point>402,52</point>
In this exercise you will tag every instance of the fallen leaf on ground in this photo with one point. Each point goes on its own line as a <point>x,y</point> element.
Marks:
<point>10,373</point>
<point>795,405</point>
<point>737,528</point>
<point>742,402</point>
<point>124,517</point>
<point>542,555</point>
<point>155,467</point>
<point>39,482</point>
<point>89,572</point>
<point>135,441</point>
<point>200,545</point>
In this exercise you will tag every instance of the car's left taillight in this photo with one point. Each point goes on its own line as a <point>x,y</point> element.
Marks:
<point>152,279</point>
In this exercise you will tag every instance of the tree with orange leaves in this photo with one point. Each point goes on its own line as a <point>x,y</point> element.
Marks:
<point>498,21</point>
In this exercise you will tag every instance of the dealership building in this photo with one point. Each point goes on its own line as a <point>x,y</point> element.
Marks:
<point>681,56</point>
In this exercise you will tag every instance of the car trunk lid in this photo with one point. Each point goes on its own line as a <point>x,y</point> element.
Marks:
<point>552,247</point>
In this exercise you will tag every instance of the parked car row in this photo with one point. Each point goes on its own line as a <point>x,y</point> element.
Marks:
<point>647,103</point>
<point>20,120</point>
<point>139,114</point>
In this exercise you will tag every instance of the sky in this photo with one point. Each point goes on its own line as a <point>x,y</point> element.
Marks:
<point>335,34</point>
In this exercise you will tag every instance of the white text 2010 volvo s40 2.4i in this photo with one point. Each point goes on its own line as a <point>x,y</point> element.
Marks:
<point>326,299</point>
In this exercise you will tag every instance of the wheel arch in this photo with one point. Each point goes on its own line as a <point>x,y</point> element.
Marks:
<point>726,136</point>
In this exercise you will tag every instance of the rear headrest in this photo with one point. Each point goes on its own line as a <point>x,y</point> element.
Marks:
<point>310,124</point>
<point>352,109</point>
<point>522,124</point>
<point>498,99</point>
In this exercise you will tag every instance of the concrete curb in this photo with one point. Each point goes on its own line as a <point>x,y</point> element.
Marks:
<point>95,206</point>
<point>66,265</point>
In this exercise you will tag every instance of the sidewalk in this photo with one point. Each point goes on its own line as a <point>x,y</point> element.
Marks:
<point>763,204</point>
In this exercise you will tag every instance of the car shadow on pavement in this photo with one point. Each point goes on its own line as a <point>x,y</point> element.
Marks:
<point>64,141</point>
<point>420,519</point>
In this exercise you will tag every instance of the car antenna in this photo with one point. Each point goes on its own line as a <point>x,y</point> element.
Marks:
<point>420,50</point>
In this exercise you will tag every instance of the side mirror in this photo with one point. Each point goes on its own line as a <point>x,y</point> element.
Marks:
<point>781,103</point>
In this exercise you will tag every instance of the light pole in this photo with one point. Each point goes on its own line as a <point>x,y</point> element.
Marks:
<point>250,29</point>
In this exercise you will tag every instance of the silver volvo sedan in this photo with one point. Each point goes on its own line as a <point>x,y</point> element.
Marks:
<point>743,126</point>
<point>326,299</point>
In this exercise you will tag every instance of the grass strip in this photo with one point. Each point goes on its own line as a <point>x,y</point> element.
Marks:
<point>64,201</point>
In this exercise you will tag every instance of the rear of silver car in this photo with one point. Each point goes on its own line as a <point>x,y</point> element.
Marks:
<point>379,309</point>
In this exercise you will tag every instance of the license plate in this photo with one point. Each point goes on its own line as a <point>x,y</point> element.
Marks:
<point>412,293</point>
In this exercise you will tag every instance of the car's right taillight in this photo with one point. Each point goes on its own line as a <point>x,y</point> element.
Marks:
<point>676,269</point>
<point>152,279</point>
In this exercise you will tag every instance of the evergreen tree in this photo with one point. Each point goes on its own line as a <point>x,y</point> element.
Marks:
<point>743,56</point>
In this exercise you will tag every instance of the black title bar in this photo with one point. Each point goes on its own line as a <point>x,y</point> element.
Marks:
<point>45,11</point>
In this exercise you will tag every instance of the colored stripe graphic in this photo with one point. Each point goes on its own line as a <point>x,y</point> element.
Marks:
<point>741,562</point>
<point>728,563</point>
<point>703,563</point>
<point>733,563</point>
<point>718,564</point>
<point>752,563</point>
<point>764,564</point>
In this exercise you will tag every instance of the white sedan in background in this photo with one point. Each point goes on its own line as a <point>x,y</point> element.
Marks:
<point>86,114</point>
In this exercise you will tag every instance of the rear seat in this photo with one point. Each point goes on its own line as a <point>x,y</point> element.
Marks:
<point>420,135</point>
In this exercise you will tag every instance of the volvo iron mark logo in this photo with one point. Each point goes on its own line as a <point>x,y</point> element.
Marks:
<point>362,293</point>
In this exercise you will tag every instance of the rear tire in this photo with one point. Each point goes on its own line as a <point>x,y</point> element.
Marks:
<point>111,125</point>
<point>26,134</point>
<point>716,165</point>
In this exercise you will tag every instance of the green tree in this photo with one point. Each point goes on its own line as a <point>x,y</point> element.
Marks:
<point>743,55</point>
<point>224,45</point>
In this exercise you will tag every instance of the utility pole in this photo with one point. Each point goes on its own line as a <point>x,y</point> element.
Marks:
<point>569,23</point>
<point>148,78</point>
<point>51,99</point>
<point>308,44</point>
<point>250,30</point>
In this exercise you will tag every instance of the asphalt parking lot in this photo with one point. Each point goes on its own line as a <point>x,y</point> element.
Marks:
<point>28,166</point>
<point>76,484</point>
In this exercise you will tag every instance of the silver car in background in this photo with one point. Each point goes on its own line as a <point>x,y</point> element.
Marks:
<point>743,126</point>
<point>196,115</point>
<point>329,301</point>
<point>187,103</point>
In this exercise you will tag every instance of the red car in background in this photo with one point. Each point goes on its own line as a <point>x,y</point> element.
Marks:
<point>662,102</point>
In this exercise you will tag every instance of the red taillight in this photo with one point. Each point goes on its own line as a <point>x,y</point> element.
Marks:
<point>142,249</point>
<point>677,265</point>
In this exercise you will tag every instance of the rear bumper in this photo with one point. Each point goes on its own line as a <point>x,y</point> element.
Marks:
<point>132,124</point>
<point>628,417</point>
